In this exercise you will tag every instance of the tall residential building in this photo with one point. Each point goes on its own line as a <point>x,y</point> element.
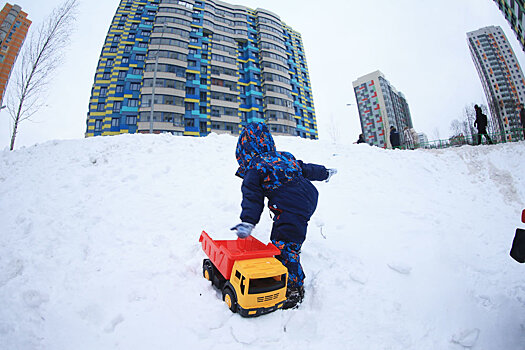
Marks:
<point>514,11</point>
<point>208,66</point>
<point>13,29</point>
<point>380,107</point>
<point>502,79</point>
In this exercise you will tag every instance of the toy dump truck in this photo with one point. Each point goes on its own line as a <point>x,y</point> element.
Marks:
<point>252,280</point>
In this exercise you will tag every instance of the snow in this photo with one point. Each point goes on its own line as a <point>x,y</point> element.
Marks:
<point>407,249</point>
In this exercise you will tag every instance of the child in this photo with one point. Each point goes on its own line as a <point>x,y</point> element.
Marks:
<point>291,197</point>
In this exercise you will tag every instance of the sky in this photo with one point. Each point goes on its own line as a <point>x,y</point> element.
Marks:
<point>419,45</point>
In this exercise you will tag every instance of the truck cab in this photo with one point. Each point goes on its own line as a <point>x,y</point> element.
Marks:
<point>259,285</point>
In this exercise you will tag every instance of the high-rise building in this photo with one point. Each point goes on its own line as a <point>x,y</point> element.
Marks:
<point>14,25</point>
<point>380,107</point>
<point>502,80</point>
<point>208,66</point>
<point>514,11</point>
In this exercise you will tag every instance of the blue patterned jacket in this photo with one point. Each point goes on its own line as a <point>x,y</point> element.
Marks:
<point>284,180</point>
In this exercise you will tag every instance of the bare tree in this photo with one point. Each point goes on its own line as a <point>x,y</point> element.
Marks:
<point>42,54</point>
<point>456,127</point>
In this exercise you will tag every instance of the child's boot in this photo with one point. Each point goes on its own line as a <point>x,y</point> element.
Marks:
<point>294,297</point>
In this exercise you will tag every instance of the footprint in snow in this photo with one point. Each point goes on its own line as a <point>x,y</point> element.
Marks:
<point>34,299</point>
<point>467,338</point>
<point>114,323</point>
<point>400,268</point>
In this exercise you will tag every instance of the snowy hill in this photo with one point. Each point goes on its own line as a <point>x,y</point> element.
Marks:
<point>407,249</point>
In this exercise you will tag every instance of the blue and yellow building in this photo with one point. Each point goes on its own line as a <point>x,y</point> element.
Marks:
<point>195,67</point>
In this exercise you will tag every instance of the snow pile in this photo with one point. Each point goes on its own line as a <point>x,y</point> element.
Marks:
<point>407,250</point>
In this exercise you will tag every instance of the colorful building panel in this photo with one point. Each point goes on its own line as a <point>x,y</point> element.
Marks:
<point>514,12</point>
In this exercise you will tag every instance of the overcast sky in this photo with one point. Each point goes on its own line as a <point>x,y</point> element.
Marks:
<point>420,46</point>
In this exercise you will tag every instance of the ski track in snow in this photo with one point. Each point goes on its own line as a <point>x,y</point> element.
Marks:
<point>407,249</point>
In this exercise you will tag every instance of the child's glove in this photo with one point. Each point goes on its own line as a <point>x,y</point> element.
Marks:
<point>244,229</point>
<point>330,173</point>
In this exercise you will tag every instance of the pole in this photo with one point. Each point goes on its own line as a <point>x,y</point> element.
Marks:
<point>152,103</point>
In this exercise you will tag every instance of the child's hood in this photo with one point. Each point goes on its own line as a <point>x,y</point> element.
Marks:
<point>255,139</point>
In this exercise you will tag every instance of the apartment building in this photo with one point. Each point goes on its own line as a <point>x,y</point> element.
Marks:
<point>502,80</point>
<point>380,106</point>
<point>195,67</point>
<point>14,25</point>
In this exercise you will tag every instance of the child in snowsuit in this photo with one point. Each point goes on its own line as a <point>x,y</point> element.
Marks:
<point>292,198</point>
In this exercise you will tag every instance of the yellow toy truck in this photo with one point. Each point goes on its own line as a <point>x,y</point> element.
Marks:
<point>252,280</point>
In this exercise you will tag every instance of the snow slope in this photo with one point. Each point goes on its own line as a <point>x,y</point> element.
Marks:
<point>407,249</point>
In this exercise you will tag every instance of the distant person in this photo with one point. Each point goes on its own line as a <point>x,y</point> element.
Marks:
<point>361,139</point>
<point>395,140</point>
<point>522,119</point>
<point>409,139</point>
<point>481,124</point>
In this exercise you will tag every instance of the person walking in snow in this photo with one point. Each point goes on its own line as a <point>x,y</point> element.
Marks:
<point>481,124</point>
<point>361,139</point>
<point>395,140</point>
<point>292,198</point>
<point>409,140</point>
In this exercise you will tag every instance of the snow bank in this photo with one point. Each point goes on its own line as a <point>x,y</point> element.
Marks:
<point>407,250</point>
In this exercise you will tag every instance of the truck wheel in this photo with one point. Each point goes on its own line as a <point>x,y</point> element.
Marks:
<point>229,298</point>
<point>207,270</point>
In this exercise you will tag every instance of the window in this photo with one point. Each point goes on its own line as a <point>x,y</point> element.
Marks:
<point>116,106</point>
<point>202,109</point>
<point>98,125</point>
<point>119,88</point>
<point>188,106</point>
<point>103,91</point>
<point>139,57</point>
<point>134,86</point>
<point>109,63</point>
<point>113,49</point>
<point>190,76</point>
<point>204,81</point>
<point>122,74</point>
<point>100,107</point>
<point>190,90</point>
<point>131,120</point>
<point>125,60</point>
<point>133,102</point>
<point>115,122</point>
<point>137,71</point>
<point>203,96</point>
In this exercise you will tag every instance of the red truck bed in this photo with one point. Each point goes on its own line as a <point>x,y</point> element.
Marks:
<point>223,253</point>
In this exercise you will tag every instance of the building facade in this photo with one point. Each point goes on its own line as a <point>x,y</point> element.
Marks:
<point>14,25</point>
<point>195,67</point>
<point>380,106</point>
<point>514,12</point>
<point>502,80</point>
